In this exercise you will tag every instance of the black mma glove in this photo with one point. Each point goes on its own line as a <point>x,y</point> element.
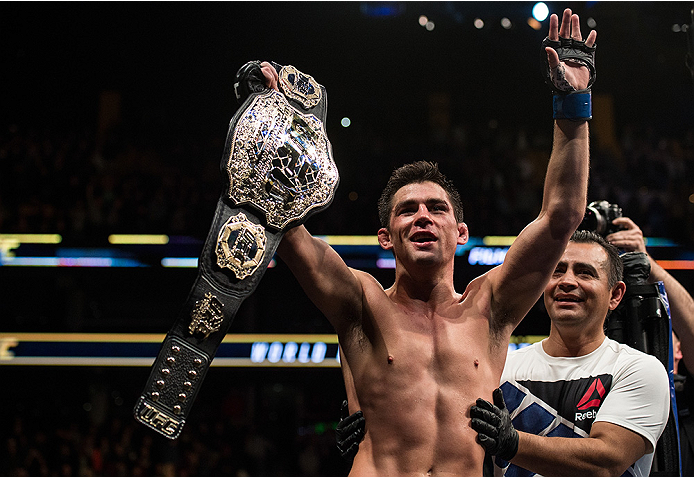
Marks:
<point>494,428</point>
<point>250,79</point>
<point>568,103</point>
<point>349,432</point>
<point>569,50</point>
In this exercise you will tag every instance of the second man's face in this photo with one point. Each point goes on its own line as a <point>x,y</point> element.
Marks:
<point>578,293</point>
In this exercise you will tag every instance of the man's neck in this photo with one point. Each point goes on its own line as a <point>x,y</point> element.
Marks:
<point>571,343</point>
<point>424,290</point>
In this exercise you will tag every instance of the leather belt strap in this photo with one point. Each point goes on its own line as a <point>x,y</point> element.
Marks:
<point>278,170</point>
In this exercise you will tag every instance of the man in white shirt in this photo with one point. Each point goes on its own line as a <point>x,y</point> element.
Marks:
<point>577,383</point>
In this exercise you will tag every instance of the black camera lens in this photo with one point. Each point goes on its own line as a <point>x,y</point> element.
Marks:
<point>599,216</point>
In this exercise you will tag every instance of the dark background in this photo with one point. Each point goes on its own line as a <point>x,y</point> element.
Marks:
<point>113,118</point>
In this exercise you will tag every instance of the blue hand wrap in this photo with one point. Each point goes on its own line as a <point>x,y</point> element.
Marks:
<point>573,106</point>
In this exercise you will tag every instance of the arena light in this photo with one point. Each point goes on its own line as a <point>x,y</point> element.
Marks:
<point>137,239</point>
<point>498,240</point>
<point>676,264</point>
<point>479,23</point>
<point>350,239</point>
<point>30,238</point>
<point>345,122</point>
<point>506,23</point>
<point>534,24</point>
<point>179,262</point>
<point>423,20</point>
<point>540,11</point>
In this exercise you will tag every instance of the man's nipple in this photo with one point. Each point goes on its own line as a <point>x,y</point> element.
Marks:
<point>477,363</point>
<point>390,359</point>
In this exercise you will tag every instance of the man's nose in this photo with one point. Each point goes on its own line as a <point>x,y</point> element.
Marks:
<point>567,280</point>
<point>422,214</point>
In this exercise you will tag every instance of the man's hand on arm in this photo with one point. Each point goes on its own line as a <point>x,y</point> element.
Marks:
<point>349,432</point>
<point>495,431</point>
<point>609,450</point>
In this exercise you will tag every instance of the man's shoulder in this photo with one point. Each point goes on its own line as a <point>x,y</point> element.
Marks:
<point>635,363</point>
<point>627,352</point>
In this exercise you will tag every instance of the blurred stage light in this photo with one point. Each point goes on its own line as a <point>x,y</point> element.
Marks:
<point>479,23</point>
<point>138,239</point>
<point>591,22</point>
<point>345,122</point>
<point>534,24</point>
<point>540,11</point>
<point>506,23</point>
<point>382,9</point>
<point>423,20</point>
<point>429,26</point>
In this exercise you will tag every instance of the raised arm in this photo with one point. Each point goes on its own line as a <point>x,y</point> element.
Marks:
<point>681,301</point>
<point>519,281</point>
<point>330,284</point>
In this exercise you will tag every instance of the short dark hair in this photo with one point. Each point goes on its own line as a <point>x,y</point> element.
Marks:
<point>415,173</point>
<point>615,267</point>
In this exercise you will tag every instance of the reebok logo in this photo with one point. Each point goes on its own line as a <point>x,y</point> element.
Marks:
<point>592,398</point>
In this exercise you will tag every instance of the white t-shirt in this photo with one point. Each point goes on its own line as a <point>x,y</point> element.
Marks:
<point>562,397</point>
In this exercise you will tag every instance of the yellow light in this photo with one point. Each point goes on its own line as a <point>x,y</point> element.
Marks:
<point>125,239</point>
<point>498,241</point>
<point>30,238</point>
<point>350,239</point>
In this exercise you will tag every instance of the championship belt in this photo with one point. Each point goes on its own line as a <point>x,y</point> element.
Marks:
<point>278,170</point>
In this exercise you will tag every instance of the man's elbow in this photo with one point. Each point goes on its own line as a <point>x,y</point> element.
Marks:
<point>564,222</point>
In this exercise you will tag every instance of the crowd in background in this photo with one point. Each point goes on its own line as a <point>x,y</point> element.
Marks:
<point>85,189</point>
<point>266,425</point>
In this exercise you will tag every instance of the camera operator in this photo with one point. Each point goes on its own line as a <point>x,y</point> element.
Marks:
<point>629,237</point>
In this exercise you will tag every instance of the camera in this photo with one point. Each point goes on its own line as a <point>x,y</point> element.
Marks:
<point>599,216</point>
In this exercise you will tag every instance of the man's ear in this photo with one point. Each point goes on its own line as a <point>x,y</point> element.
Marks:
<point>463,233</point>
<point>384,239</point>
<point>617,294</point>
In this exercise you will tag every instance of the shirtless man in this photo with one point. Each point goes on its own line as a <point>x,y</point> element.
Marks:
<point>419,352</point>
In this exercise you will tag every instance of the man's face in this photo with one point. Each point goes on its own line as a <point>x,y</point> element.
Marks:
<point>578,293</point>
<point>423,226</point>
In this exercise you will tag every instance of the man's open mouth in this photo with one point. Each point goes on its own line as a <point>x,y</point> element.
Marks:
<point>423,237</point>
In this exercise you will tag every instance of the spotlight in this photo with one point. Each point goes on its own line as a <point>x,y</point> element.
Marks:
<point>479,24</point>
<point>345,122</point>
<point>506,23</point>
<point>423,20</point>
<point>540,11</point>
<point>429,26</point>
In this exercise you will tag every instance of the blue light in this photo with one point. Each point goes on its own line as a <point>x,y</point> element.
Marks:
<point>540,11</point>
<point>382,9</point>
